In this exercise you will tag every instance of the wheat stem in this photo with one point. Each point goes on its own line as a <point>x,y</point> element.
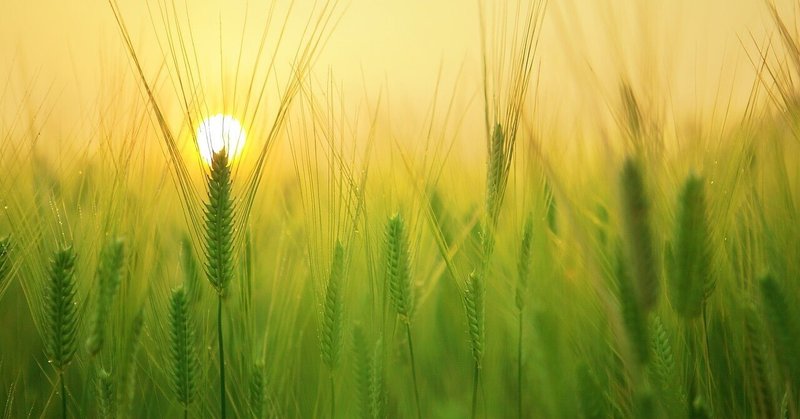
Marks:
<point>63,395</point>
<point>333,396</point>
<point>221,345</point>
<point>519,365</point>
<point>413,370</point>
<point>476,378</point>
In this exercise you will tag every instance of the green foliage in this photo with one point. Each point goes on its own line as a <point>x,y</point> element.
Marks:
<point>61,310</point>
<point>398,269</point>
<point>183,359</point>
<point>593,343</point>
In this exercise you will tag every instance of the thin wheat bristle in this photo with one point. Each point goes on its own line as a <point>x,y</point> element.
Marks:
<point>191,271</point>
<point>184,364</point>
<point>106,395</point>
<point>690,278</point>
<point>332,310</point>
<point>61,310</point>
<point>108,276</point>
<point>219,222</point>
<point>639,241</point>
<point>474,296</point>
<point>398,271</point>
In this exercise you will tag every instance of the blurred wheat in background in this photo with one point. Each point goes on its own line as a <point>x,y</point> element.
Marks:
<point>432,209</point>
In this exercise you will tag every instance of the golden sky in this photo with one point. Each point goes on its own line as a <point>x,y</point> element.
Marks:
<point>684,50</point>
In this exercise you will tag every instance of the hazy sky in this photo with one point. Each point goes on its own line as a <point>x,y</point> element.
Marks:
<point>682,48</point>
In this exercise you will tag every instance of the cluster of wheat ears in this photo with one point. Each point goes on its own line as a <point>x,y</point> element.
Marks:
<point>657,296</point>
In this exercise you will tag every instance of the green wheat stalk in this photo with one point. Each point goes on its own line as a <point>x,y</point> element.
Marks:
<point>636,226</point>
<point>523,274</point>
<point>333,317</point>
<point>61,316</point>
<point>184,364</point>
<point>106,395</point>
<point>754,341</point>
<point>219,221</point>
<point>474,305</point>
<point>633,316</point>
<point>496,173</point>
<point>362,371</point>
<point>784,325</point>
<point>108,277</point>
<point>377,392</point>
<point>664,367</point>
<point>128,378</point>
<point>398,277</point>
<point>690,277</point>
<point>258,390</point>
<point>398,270</point>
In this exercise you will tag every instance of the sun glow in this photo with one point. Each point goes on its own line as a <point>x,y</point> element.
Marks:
<point>220,132</point>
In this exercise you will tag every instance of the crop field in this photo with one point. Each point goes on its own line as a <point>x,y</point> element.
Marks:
<point>421,209</point>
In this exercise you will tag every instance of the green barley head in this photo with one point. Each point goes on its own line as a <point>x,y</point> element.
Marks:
<point>184,364</point>
<point>219,220</point>
<point>60,310</point>
<point>108,275</point>
<point>333,311</point>
<point>636,225</point>
<point>690,268</point>
<point>398,271</point>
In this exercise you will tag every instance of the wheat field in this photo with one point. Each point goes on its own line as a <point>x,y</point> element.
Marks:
<point>444,209</point>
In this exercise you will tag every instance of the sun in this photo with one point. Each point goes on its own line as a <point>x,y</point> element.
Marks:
<point>220,132</point>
